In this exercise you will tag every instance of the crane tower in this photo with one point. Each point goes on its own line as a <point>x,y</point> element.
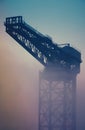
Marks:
<point>57,84</point>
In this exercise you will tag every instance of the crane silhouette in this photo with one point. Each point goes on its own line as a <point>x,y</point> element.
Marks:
<point>57,85</point>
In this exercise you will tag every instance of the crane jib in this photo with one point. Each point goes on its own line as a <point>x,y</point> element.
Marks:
<point>42,47</point>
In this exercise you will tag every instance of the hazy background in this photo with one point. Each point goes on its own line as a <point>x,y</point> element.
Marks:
<point>64,21</point>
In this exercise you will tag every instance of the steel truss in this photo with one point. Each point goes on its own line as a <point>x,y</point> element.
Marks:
<point>57,101</point>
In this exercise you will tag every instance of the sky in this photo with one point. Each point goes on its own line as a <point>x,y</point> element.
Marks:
<point>64,21</point>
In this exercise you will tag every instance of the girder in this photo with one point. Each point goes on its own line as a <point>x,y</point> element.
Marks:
<point>42,47</point>
<point>57,101</point>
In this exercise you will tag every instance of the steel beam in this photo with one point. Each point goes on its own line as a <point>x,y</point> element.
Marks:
<point>57,101</point>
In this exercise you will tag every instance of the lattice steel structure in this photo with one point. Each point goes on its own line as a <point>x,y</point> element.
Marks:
<point>57,110</point>
<point>57,87</point>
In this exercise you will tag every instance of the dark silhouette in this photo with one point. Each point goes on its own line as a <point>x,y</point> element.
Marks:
<point>57,90</point>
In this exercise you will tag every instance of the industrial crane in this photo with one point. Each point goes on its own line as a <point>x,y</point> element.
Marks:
<point>61,63</point>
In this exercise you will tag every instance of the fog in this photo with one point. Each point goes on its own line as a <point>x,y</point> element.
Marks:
<point>64,21</point>
<point>18,90</point>
<point>19,87</point>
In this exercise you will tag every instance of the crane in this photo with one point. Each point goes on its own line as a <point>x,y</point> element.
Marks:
<point>61,65</point>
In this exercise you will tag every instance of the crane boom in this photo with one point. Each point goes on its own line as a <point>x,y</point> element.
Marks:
<point>42,47</point>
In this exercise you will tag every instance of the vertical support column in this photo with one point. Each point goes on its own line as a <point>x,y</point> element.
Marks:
<point>43,104</point>
<point>70,104</point>
<point>57,99</point>
<point>74,102</point>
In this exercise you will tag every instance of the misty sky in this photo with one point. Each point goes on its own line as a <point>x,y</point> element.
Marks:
<point>64,21</point>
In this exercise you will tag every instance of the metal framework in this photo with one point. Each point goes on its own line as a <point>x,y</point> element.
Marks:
<point>57,89</point>
<point>57,101</point>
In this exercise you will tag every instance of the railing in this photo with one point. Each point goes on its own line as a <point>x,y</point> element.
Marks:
<point>13,20</point>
